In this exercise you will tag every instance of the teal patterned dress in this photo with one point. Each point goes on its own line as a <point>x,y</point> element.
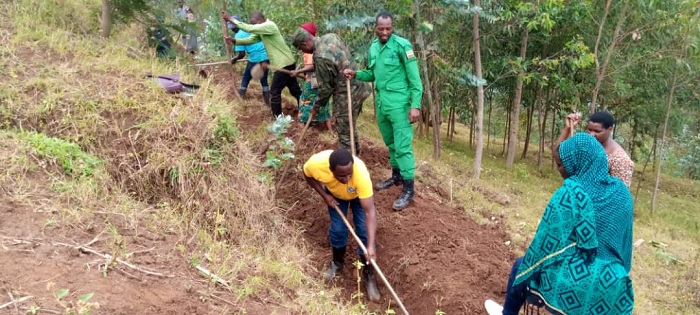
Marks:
<point>580,258</point>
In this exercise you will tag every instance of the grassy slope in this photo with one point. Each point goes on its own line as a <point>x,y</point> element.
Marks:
<point>181,157</point>
<point>57,92</point>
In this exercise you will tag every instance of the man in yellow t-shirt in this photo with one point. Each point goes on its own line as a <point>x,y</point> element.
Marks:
<point>343,181</point>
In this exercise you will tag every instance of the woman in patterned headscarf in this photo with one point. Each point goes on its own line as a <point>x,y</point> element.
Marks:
<point>580,258</point>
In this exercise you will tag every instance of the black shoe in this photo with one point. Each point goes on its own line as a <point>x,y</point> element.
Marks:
<point>266,98</point>
<point>406,195</point>
<point>394,180</point>
<point>370,281</point>
<point>336,264</point>
<point>241,92</point>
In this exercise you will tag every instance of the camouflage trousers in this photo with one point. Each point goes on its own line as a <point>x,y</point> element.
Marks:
<point>360,92</point>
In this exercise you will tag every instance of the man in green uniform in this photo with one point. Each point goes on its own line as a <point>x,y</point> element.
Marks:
<point>262,29</point>
<point>394,69</point>
<point>331,57</point>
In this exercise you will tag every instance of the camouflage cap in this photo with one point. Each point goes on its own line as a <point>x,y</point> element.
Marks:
<point>299,37</point>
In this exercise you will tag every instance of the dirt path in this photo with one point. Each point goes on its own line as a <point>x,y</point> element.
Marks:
<point>433,255</point>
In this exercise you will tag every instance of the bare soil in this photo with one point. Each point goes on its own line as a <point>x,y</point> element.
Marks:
<point>35,261</point>
<point>433,254</point>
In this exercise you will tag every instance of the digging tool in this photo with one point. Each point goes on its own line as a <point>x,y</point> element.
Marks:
<point>214,63</point>
<point>372,261</point>
<point>572,128</point>
<point>202,73</point>
<point>224,30</point>
<point>572,131</point>
<point>271,67</point>
<point>301,138</point>
<point>352,133</point>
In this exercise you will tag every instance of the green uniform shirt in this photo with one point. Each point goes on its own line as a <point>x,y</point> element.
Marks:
<point>394,69</point>
<point>268,32</point>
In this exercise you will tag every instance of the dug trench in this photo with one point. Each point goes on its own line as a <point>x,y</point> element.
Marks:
<point>432,253</point>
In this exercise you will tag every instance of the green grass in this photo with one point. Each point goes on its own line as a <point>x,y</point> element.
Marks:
<point>72,160</point>
<point>665,276</point>
<point>81,93</point>
<point>173,165</point>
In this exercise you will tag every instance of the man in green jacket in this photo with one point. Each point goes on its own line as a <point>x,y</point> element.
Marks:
<point>278,52</point>
<point>394,69</point>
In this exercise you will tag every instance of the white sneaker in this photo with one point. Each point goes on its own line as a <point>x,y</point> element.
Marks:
<point>493,308</point>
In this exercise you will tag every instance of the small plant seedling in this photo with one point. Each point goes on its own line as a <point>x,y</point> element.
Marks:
<point>33,309</point>
<point>358,268</point>
<point>281,147</point>
<point>82,306</point>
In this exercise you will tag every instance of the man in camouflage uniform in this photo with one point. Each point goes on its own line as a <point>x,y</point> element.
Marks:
<point>331,56</point>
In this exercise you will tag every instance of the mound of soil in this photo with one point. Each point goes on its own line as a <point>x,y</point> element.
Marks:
<point>433,255</point>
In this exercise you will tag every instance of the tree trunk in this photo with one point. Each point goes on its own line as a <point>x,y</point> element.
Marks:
<point>449,123</point>
<point>453,120</point>
<point>601,69</point>
<point>630,147</point>
<point>434,111</point>
<point>554,140</point>
<point>488,129</point>
<point>506,131</point>
<point>515,117</point>
<point>106,19</point>
<point>479,96</point>
<point>528,130</point>
<point>644,169</point>
<point>437,108</point>
<point>471,123</point>
<point>661,143</point>
<point>541,127</point>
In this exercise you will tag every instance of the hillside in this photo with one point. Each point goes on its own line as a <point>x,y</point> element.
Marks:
<point>117,192</point>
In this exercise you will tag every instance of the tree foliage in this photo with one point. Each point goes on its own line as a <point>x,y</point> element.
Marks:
<point>568,44</point>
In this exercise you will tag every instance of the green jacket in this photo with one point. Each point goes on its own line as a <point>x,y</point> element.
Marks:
<point>394,69</point>
<point>268,32</point>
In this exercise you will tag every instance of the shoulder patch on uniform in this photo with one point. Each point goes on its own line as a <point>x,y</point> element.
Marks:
<point>410,54</point>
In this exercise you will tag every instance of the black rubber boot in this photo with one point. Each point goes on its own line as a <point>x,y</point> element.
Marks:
<point>406,195</point>
<point>242,92</point>
<point>336,264</point>
<point>370,281</point>
<point>266,98</point>
<point>395,179</point>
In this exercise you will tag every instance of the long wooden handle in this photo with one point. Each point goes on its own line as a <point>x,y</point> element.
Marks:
<point>283,70</point>
<point>215,63</point>
<point>572,131</point>
<point>372,261</point>
<point>352,132</point>
<point>224,30</point>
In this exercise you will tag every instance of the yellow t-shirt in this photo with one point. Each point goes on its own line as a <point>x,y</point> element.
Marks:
<point>360,185</point>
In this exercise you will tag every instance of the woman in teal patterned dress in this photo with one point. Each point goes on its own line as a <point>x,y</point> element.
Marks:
<point>580,258</point>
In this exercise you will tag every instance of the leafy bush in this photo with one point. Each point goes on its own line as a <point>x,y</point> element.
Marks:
<point>687,151</point>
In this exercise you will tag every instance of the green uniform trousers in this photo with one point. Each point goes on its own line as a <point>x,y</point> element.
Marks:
<point>397,133</point>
